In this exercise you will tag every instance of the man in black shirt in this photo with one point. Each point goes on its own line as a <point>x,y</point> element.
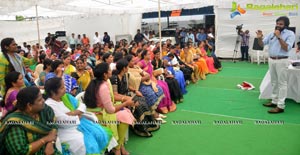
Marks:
<point>106,38</point>
<point>139,37</point>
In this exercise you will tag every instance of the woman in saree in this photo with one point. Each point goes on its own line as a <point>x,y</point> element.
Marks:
<point>170,76</point>
<point>164,49</point>
<point>13,84</point>
<point>140,80</point>
<point>108,58</point>
<point>82,76</point>
<point>186,56</point>
<point>142,113</point>
<point>199,61</point>
<point>166,104</point>
<point>110,109</point>
<point>209,60</point>
<point>77,134</point>
<point>11,61</point>
<point>57,71</point>
<point>46,69</point>
<point>172,65</point>
<point>68,68</point>
<point>32,132</point>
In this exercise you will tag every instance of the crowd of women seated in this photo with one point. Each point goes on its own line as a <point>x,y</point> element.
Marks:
<point>127,87</point>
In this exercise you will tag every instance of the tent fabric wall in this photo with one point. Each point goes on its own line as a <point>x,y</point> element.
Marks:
<point>104,6</point>
<point>26,31</point>
<point>252,20</point>
<point>43,12</point>
<point>112,24</point>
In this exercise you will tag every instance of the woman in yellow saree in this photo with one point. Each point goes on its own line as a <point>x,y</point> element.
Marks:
<point>186,56</point>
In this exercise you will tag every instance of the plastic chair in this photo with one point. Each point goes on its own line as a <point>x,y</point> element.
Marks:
<point>258,56</point>
<point>89,115</point>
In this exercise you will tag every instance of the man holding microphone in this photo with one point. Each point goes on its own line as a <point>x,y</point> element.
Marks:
<point>280,44</point>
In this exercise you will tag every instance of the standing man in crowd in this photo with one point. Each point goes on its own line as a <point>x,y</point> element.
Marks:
<point>106,38</point>
<point>97,38</point>
<point>201,35</point>
<point>245,44</point>
<point>139,37</point>
<point>146,35</point>
<point>85,40</point>
<point>182,37</point>
<point>78,40</point>
<point>177,38</point>
<point>280,44</point>
<point>72,42</point>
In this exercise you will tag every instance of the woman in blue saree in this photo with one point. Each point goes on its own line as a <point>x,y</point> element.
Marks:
<point>77,134</point>
<point>57,71</point>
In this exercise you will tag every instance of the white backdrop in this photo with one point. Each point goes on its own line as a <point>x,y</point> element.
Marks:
<point>252,20</point>
<point>112,24</point>
<point>26,31</point>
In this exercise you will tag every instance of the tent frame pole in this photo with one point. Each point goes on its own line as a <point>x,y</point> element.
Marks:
<point>159,29</point>
<point>38,26</point>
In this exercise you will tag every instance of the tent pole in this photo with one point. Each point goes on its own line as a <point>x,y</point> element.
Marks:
<point>159,28</point>
<point>38,26</point>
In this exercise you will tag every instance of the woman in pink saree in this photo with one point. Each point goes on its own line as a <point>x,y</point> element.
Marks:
<point>13,83</point>
<point>209,60</point>
<point>166,104</point>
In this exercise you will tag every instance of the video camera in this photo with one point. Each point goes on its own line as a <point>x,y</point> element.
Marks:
<point>239,27</point>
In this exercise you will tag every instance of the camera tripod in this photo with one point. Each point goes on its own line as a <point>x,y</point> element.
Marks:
<point>235,51</point>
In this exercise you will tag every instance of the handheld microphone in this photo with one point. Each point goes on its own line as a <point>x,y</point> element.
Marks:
<point>276,28</point>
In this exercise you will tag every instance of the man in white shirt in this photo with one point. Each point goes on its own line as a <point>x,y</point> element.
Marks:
<point>97,38</point>
<point>72,41</point>
<point>146,35</point>
<point>191,36</point>
<point>25,47</point>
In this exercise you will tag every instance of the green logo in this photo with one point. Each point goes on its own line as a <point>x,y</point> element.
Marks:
<point>236,10</point>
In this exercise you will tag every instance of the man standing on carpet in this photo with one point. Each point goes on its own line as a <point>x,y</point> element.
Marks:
<point>280,44</point>
<point>245,44</point>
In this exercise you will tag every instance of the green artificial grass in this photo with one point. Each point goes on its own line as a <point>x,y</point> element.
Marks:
<point>218,99</point>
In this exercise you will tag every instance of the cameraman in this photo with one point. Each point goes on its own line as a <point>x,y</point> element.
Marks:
<point>47,39</point>
<point>56,46</point>
<point>244,44</point>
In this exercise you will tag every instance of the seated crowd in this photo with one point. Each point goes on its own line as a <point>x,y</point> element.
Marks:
<point>83,100</point>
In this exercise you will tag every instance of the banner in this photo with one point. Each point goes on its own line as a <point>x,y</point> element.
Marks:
<point>253,15</point>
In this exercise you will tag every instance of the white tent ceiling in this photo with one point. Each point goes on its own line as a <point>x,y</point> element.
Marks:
<point>43,12</point>
<point>102,6</point>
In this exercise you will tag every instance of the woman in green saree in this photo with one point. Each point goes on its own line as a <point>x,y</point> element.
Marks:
<point>28,128</point>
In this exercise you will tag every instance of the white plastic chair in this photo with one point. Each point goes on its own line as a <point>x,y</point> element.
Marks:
<point>259,55</point>
<point>89,115</point>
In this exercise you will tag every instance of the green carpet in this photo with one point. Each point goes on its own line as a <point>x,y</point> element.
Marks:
<point>218,99</point>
